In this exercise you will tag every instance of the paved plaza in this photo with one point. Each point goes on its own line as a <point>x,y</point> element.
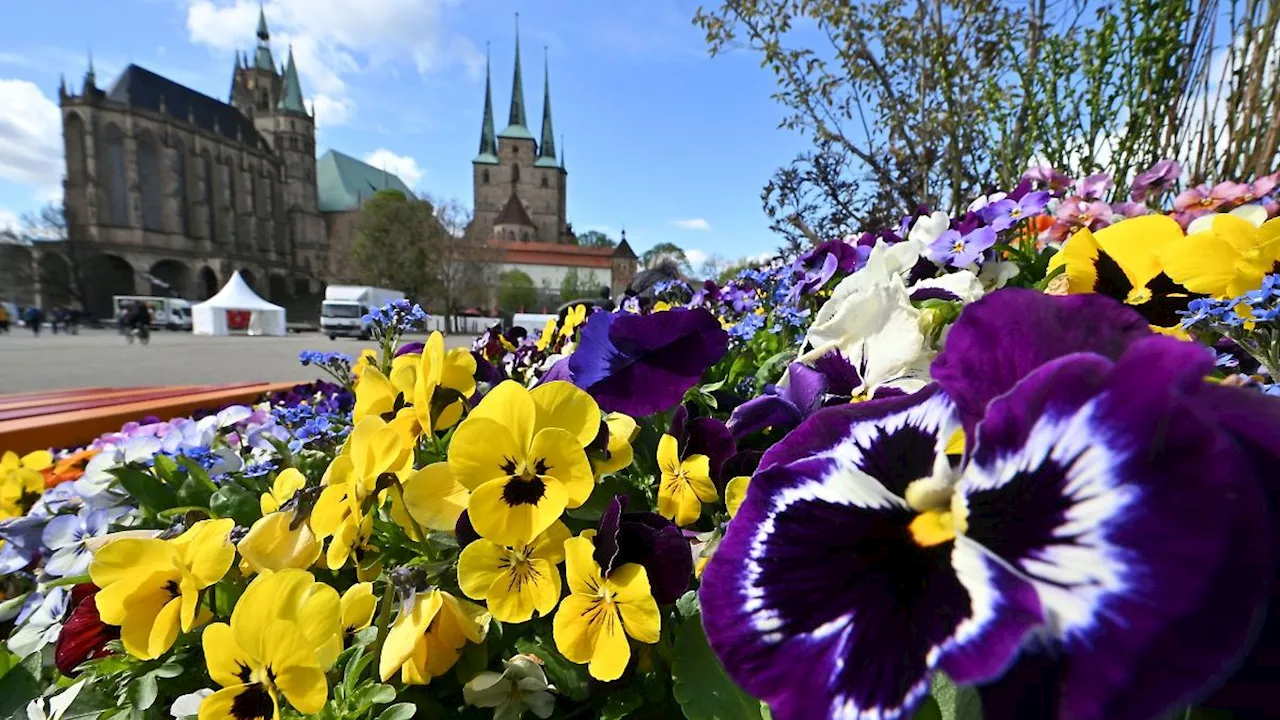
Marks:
<point>102,358</point>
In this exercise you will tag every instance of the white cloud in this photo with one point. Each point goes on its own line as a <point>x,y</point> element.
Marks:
<point>333,40</point>
<point>9,220</point>
<point>691,224</point>
<point>30,136</point>
<point>331,112</point>
<point>696,257</point>
<point>401,165</point>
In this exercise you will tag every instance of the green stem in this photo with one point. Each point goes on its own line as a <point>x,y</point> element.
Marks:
<point>384,625</point>
<point>72,580</point>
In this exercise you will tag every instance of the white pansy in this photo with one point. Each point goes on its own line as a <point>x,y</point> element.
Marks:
<point>55,707</point>
<point>42,626</point>
<point>963,284</point>
<point>928,228</point>
<point>995,275</point>
<point>521,686</point>
<point>984,200</point>
<point>188,706</point>
<point>1253,213</point>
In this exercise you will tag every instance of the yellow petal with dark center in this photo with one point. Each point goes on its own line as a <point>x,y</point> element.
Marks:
<point>375,395</point>
<point>500,511</point>
<point>483,449</point>
<point>1136,243</point>
<point>580,568</point>
<point>129,558</point>
<point>556,453</point>
<point>239,702</point>
<point>226,660</point>
<point>510,405</point>
<point>480,564</point>
<point>668,454</point>
<point>635,602</point>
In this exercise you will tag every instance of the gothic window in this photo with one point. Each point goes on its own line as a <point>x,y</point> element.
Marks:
<point>544,181</point>
<point>206,169</point>
<point>74,130</point>
<point>484,177</point>
<point>263,101</point>
<point>229,200</point>
<point>180,186</point>
<point>252,195</point>
<point>515,173</point>
<point>268,195</point>
<point>149,181</point>
<point>115,179</point>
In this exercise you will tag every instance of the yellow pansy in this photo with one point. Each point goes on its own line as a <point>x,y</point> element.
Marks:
<point>428,636</point>
<point>432,500</point>
<point>521,454</point>
<point>368,359</point>
<point>685,485</point>
<point>386,397</point>
<point>594,620</point>
<point>443,381</point>
<point>548,334</point>
<point>515,581</point>
<point>572,319</point>
<point>661,306</point>
<point>21,480</point>
<point>735,491</point>
<point>1227,260</point>
<point>288,482</point>
<point>621,429</point>
<point>1124,261</point>
<point>373,449</point>
<point>357,606</point>
<point>151,587</point>
<point>279,541</point>
<point>279,644</point>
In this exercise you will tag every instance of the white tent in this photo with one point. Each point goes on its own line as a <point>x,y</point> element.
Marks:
<point>237,307</point>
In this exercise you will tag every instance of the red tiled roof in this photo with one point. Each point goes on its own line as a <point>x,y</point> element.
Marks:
<point>543,253</point>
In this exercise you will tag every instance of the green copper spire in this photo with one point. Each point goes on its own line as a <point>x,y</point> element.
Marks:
<point>516,127</point>
<point>547,148</point>
<point>488,143</point>
<point>291,99</point>
<point>262,58</point>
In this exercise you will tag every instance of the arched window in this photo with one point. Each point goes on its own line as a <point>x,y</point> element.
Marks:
<point>544,181</point>
<point>73,129</point>
<point>115,180</point>
<point>149,181</point>
<point>229,200</point>
<point>484,176</point>
<point>251,197</point>
<point>515,173</point>
<point>268,195</point>
<point>179,174</point>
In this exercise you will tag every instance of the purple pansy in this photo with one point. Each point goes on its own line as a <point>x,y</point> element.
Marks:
<point>1006,213</point>
<point>649,540</point>
<point>1045,176</point>
<point>1160,177</point>
<point>832,380</point>
<point>66,536</point>
<point>1093,187</point>
<point>664,353</point>
<point>952,248</point>
<point>1105,513</point>
<point>815,268</point>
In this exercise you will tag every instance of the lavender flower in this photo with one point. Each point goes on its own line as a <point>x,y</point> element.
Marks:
<point>952,248</point>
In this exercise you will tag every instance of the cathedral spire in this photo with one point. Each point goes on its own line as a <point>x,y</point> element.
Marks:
<point>262,59</point>
<point>291,98</point>
<point>488,143</point>
<point>516,125</point>
<point>90,78</point>
<point>546,148</point>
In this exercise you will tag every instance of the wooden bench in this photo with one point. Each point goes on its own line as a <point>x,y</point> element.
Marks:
<point>72,418</point>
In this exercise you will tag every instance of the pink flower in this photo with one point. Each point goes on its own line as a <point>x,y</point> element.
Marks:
<point>1093,187</point>
<point>1197,198</point>
<point>1046,177</point>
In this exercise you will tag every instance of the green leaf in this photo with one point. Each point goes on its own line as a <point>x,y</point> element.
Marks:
<point>375,694</point>
<point>701,686</point>
<point>471,662</point>
<point>599,501</point>
<point>194,492</point>
<point>687,605</point>
<point>399,711</point>
<point>168,670</point>
<point>151,494</point>
<point>929,710</point>
<point>569,678</point>
<point>21,685</point>
<point>954,702</point>
<point>235,502</point>
<point>142,692</point>
<point>89,704</point>
<point>355,668</point>
<point>621,704</point>
<point>165,468</point>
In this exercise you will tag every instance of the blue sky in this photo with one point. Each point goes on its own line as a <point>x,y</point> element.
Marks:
<point>660,138</point>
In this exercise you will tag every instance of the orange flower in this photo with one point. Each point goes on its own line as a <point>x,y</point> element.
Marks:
<point>68,468</point>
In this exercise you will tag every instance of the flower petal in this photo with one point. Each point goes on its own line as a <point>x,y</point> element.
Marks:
<point>1105,487</point>
<point>479,449</point>
<point>512,407</point>
<point>556,453</point>
<point>561,405</point>
<point>499,519</point>
<point>434,498</point>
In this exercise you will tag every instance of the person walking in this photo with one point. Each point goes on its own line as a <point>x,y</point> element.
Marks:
<point>34,318</point>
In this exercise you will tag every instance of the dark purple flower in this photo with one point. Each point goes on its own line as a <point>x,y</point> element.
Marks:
<point>815,268</point>
<point>1006,213</point>
<point>649,540</point>
<point>831,380</point>
<point>1105,510</point>
<point>558,371</point>
<point>1160,177</point>
<point>702,436</point>
<point>412,348</point>
<point>642,364</point>
<point>952,248</point>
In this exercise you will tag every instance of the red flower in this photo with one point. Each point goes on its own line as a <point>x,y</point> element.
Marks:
<point>84,636</point>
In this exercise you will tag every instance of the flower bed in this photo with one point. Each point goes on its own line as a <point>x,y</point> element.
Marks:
<point>1017,462</point>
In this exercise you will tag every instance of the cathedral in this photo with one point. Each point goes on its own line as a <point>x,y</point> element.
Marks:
<point>169,191</point>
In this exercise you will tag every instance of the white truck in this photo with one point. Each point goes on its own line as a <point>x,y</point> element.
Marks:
<point>166,312</point>
<point>345,305</point>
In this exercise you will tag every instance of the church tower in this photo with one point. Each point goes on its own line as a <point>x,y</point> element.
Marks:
<point>518,185</point>
<point>255,85</point>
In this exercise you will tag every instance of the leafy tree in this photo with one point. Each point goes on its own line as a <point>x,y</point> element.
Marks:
<point>577,286</point>
<point>458,262</point>
<point>596,239</point>
<point>655,255</point>
<point>394,243</point>
<point>516,291</point>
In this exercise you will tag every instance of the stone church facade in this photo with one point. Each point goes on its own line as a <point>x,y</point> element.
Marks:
<point>169,191</point>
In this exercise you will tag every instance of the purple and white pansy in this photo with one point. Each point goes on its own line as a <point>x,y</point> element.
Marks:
<point>1105,521</point>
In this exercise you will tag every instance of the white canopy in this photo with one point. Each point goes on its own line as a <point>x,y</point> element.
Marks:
<point>224,312</point>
